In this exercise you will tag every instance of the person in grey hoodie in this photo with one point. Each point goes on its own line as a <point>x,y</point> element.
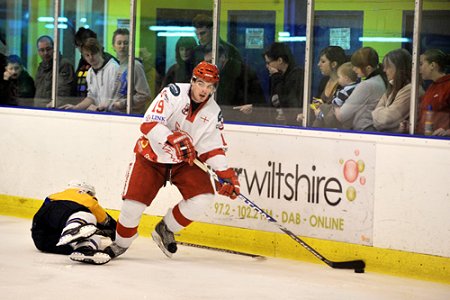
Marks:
<point>357,109</point>
<point>141,92</point>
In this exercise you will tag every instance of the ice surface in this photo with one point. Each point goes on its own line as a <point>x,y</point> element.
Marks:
<point>144,272</point>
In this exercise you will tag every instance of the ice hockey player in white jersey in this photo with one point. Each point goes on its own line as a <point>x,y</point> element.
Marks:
<point>182,123</point>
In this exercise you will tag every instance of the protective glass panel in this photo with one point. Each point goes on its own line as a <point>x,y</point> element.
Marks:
<point>433,108</point>
<point>168,42</point>
<point>261,58</point>
<point>362,73</point>
<point>21,23</point>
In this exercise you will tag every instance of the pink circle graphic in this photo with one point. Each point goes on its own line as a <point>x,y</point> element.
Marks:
<point>362,180</point>
<point>350,170</point>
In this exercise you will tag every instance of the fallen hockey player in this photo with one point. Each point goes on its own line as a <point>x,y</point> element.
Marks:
<point>72,222</point>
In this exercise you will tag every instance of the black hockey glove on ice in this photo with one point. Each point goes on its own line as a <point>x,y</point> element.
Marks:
<point>108,228</point>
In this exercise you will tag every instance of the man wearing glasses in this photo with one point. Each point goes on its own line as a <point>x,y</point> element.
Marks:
<point>43,79</point>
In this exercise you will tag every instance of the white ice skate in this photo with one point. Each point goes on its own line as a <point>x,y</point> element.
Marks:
<point>76,234</point>
<point>90,256</point>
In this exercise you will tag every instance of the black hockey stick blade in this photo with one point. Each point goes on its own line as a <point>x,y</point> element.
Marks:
<point>357,265</point>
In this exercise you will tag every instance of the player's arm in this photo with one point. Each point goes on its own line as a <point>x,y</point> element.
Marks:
<point>214,146</point>
<point>105,223</point>
<point>155,129</point>
<point>229,182</point>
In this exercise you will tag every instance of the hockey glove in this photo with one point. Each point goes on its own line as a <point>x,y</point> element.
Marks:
<point>107,228</point>
<point>229,183</point>
<point>183,146</point>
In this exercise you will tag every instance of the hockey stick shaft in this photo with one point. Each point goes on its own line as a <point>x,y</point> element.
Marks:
<point>220,250</point>
<point>353,264</point>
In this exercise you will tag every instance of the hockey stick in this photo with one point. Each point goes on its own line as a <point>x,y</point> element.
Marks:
<point>357,265</point>
<point>220,250</point>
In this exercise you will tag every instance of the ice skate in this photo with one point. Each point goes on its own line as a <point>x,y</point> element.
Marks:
<point>75,234</point>
<point>88,255</point>
<point>164,238</point>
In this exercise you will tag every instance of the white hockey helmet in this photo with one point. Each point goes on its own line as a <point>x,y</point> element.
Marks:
<point>82,185</point>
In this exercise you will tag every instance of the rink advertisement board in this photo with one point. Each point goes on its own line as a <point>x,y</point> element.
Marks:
<point>325,192</point>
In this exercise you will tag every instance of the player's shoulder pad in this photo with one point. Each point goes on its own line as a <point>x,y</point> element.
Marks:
<point>174,89</point>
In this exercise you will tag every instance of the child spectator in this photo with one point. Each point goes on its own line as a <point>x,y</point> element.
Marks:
<point>24,82</point>
<point>347,79</point>
<point>325,113</point>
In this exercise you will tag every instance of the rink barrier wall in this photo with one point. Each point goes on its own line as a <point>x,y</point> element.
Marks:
<point>279,245</point>
<point>405,201</point>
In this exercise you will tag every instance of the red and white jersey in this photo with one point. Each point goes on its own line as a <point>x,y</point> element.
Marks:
<point>170,111</point>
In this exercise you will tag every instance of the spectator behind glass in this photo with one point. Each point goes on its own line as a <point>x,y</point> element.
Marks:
<point>325,114</point>
<point>8,90</point>
<point>330,58</point>
<point>203,29</point>
<point>239,88</point>
<point>22,80</point>
<point>141,91</point>
<point>80,36</point>
<point>393,107</point>
<point>100,78</point>
<point>43,78</point>
<point>357,109</point>
<point>154,79</point>
<point>432,67</point>
<point>181,71</point>
<point>347,80</point>
<point>286,83</point>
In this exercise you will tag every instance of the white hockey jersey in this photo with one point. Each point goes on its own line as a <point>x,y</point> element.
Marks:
<point>171,110</point>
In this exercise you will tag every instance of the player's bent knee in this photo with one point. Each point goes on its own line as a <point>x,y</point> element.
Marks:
<point>194,207</point>
<point>83,215</point>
